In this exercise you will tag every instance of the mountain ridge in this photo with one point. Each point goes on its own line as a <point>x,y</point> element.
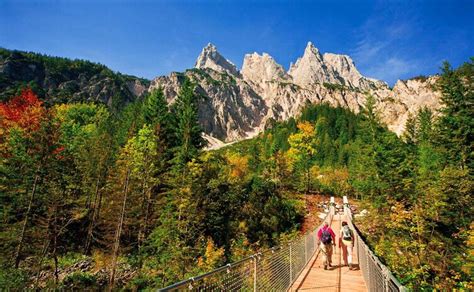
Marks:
<point>240,102</point>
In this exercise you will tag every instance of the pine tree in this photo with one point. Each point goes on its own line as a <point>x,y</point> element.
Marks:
<point>156,114</point>
<point>188,131</point>
<point>410,135</point>
<point>456,125</point>
<point>155,108</point>
<point>424,122</point>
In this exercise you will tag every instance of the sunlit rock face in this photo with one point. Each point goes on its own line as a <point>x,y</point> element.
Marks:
<point>237,104</point>
<point>210,58</point>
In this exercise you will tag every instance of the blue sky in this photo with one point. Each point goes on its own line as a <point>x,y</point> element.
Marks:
<point>388,40</point>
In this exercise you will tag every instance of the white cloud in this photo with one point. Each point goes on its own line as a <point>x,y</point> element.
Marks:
<point>380,51</point>
<point>366,50</point>
<point>392,68</point>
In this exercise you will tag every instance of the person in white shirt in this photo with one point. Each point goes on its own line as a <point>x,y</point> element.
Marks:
<point>346,242</point>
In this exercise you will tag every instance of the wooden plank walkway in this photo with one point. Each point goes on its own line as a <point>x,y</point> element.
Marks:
<point>337,278</point>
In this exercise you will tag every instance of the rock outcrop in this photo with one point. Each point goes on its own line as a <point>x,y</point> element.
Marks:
<point>311,69</point>
<point>344,68</point>
<point>329,68</point>
<point>238,104</point>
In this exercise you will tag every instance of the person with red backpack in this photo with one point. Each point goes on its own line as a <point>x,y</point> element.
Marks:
<point>327,240</point>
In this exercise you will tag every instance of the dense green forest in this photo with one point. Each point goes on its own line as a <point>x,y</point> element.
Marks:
<point>94,198</point>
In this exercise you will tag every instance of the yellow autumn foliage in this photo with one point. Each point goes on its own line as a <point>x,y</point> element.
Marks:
<point>238,165</point>
<point>213,256</point>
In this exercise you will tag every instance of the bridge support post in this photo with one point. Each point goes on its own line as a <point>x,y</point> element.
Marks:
<point>255,274</point>
<point>291,268</point>
<point>305,249</point>
<point>345,202</point>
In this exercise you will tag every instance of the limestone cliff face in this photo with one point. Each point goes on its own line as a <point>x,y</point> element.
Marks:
<point>406,97</point>
<point>261,69</point>
<point>344,68</point>
<point>229,109</point>
<point>238,103</point>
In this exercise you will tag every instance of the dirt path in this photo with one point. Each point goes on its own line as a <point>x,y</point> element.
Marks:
<point>314,206</point>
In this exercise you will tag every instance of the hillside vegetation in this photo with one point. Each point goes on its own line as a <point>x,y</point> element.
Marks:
<point>61,80</point>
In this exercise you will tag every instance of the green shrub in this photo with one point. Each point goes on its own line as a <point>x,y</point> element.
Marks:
<point>79,280</point>
<point>70,259</point>
<point>140,282</point>
<point>12,279</point>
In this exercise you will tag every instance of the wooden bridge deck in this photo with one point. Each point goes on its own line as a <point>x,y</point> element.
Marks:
<point>337,278</point>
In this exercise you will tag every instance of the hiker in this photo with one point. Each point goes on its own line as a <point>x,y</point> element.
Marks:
<point>346,242</point>
<point>327,238</point>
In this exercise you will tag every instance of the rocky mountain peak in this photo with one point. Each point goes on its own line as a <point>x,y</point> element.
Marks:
<point>310,68</point>
<point>311,50</point>
<point>211,58</point>
<point>329,68</point>
<point>261,68</point>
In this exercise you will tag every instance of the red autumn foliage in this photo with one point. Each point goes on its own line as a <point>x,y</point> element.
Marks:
<point>58,152</point>
<point>24,111</point>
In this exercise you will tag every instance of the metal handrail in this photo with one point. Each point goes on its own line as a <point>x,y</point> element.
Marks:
<point>210,273</point>
<point>376,275</point>
<point>275,269</point>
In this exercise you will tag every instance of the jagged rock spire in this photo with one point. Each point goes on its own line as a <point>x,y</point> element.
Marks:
<point>328,68</point>
<point>211,58</point>
<point>310,68</point>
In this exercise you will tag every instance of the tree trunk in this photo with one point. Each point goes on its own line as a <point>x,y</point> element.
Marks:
<point>44,250</point>
<point>141,235</point>
<point>145,207</point>
<point>99,206</point>
<point>147,214</point>
<point>55,243</point>
<point>25,222</point>
<point>119,232</point>
<point>308,179</point>
<point>95,212</point>
<point>89,197</point>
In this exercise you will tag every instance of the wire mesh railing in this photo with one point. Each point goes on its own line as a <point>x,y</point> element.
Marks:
<point>376,275</point>
<point>275,269</point>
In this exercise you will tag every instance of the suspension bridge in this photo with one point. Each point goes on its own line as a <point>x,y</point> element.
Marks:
<point>298,266</point>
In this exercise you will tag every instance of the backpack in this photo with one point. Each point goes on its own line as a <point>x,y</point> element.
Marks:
<point>346,233</point>
<point>326,237</point>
